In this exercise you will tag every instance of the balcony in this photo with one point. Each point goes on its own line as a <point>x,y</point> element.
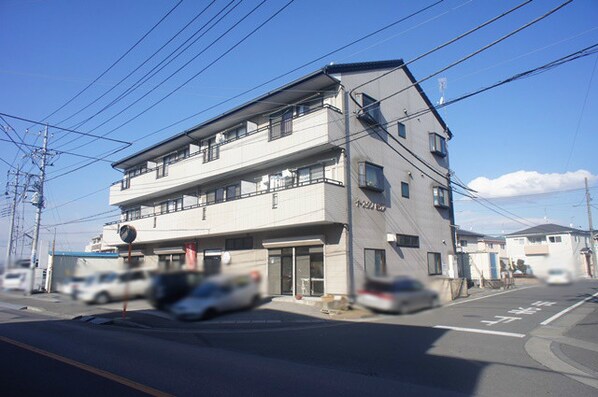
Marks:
<point>313,132</point>
<point>322,202</point>
<point>536,249</point>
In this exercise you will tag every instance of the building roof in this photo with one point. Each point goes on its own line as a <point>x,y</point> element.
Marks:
<point>549,228</point>
<point>318,80</point>
<point>466,233</point>
<point>86,254</point>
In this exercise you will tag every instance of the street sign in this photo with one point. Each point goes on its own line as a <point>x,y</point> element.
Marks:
<point>127,233</point>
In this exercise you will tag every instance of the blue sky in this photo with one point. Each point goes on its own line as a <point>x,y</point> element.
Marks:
<point>543,125</point>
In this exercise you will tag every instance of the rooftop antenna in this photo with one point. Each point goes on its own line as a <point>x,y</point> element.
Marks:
<point>442,82</point>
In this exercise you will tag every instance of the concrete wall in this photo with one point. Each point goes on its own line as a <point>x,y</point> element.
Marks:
<point>415,215</point>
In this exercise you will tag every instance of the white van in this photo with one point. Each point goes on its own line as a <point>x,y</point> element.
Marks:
<point>105,287</point>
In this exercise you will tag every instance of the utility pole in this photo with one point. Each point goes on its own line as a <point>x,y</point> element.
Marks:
<point>591,227</point>
<point>38,201</point>
<point>11,224</point>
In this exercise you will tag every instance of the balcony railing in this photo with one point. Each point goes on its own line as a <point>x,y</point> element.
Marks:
<point>320,128</point>
<point>238,197</point>
<point>318,202</point>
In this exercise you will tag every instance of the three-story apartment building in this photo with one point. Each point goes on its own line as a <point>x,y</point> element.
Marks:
<point>338,176</point>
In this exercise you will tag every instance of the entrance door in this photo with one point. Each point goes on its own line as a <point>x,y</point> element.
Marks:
<point>280,271</point>
<point>211,263</point>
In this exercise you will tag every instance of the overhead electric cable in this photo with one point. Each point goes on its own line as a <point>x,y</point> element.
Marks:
<point>115,62</point>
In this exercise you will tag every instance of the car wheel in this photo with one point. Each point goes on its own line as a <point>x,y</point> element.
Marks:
<point>209,314</point>
<point>403,309</point>
<point>102,298</point>
<point>255,301</point>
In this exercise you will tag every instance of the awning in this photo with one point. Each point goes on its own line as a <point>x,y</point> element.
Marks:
<point>301,241</point>
<point>124,254</point>
<point>212,253</point>
<point>169,250</point>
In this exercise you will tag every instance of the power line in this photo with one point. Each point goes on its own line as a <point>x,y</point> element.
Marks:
<point>115,62</point>
<point>141,64</point>
<point>61,152</point>
<point>480,50</point>
<point>171,75</point>
<point>64,129</point>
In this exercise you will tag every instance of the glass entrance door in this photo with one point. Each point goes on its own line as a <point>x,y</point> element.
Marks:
<point>307,275</point>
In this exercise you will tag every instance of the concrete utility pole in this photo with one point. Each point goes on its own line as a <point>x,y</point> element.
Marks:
<point>591,227</point>
<point>39,203</point>
<point>11,224</point>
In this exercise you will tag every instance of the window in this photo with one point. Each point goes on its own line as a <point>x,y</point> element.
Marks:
<point>555,239</point>
<point>130,173</point>
<point>309,174</point>
<point>502,246</point>
<point>309,106</point>
<point>537,240</point>
<point>491,245</point>
<point>281,124</point>
<point>405,240</point>
<point>370,111</point>
<point>241,243</point>
<point>215,196</point>
<point>463,243</point>
<point>132,214</point>
<point>371,177</point>
<point>233,192</point>
<point>437,144</point>
<point>405,189</point>
<point>402,130</point>
<point>375,262</point>
<point>235,133</point>
<point>171,205</point>
<point>434,263</point>
<point>440,197</point>
<point>211,151</point>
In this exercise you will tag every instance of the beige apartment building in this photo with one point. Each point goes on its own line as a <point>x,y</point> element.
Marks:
<point>317,185</point>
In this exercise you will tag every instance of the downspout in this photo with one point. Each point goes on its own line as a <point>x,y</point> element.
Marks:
<point>350,261</point>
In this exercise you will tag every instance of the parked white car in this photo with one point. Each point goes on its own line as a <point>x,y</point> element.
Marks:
<point>14,279</point>
<point>397,295</point>
<point>71,285</point>
<point>218,294</point>
<point>105,287</point>
<point>559,277</point>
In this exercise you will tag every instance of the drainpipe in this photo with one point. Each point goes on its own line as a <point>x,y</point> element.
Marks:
<point>350,261</point>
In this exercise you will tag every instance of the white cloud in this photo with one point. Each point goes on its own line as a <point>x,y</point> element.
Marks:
<point>522,183</point>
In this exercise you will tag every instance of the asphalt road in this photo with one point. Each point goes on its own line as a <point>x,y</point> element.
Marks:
<point>409,354</point>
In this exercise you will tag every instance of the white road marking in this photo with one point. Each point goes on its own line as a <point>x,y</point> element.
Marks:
<point>481,331</point>
<point>489,296</point>
<point>559,314</point>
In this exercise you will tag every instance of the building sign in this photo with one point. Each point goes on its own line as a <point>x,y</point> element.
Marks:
<point>191,256</point>
<point>368,205</point>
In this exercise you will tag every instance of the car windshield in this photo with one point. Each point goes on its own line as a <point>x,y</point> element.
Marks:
<point>555,272</point>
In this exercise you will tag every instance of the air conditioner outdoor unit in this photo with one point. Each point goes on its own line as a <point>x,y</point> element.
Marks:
<point>391,237</point>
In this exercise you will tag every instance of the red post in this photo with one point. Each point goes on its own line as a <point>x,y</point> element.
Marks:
<point>128,267</point>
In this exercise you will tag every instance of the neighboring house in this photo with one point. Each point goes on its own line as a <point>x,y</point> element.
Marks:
<point>551,246</point>
<point>303,184</point>
<point>481,257</point>
<point>97,244</point>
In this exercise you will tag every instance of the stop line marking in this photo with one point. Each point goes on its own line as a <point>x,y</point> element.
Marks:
<point>480,331</point>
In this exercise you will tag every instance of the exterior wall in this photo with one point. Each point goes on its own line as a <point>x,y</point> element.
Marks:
<point>256,259</point>
<point>69,266</point>
<point>415,215</point>
<point>314,131</point>
<point>472,244</point>
<point>564,255</point>
<point>319,203</point>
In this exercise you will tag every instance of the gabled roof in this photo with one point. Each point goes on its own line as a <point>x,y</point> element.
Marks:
<point>318,80</point>
<point>549,228</point>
